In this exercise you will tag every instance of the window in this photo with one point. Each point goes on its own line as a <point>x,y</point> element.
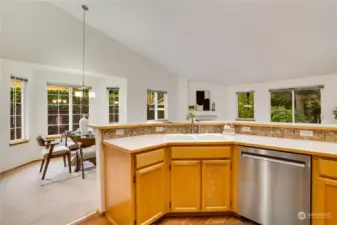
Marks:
<point>298,105</point>
<point>113,105</point>
<point>245,105</point>
<point>65,109</point>
<point>17,108</point>
<point>156,105</point>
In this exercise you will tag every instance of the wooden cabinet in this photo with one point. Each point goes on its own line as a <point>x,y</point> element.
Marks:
<point>216,187</point>
<point>150,194</point>
<point>327,201</point>
<point>201,186</point>
<point>185,186</point>
<point>324,198</point>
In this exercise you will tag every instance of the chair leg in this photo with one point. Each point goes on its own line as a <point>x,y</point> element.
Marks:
<point>69,163</point>
<point>64,161</point>
<point>45,168</point>
<point>82,164</point>
<point>41,165</point>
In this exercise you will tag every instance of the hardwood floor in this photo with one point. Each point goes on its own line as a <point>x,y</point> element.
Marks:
<point>202,220</point>
<point>98,220</point>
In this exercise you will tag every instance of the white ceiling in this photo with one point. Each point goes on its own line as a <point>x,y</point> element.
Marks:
<point>231,42</point>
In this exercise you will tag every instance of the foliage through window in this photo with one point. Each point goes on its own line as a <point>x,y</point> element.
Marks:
<point>17,108</point>
<point>65,109</point>
<point>156,105</point>
<point>245,105</point>
<point>113,105</point>
<point>301,105</point>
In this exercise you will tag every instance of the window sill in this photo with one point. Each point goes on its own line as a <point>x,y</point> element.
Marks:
<point>244,119</point>
<point>18,142</point>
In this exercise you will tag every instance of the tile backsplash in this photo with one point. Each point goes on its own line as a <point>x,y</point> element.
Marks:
<point>261,130</point>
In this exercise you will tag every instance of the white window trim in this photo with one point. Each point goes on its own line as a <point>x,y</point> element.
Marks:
<point>108,93</point>
<point>237,106</point>
<point>321,87</point>
<point>24,134</point>
<point>156,105</point>
<point>70,106</point>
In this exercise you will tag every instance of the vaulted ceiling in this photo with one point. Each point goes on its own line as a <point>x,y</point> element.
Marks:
<point>224,41</point>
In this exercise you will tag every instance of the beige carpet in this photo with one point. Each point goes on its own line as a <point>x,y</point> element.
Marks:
<point>26,200</point>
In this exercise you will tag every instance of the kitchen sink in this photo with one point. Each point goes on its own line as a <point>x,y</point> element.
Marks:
<point>197,137</point>
<point>179,137</point>
<point>212,137</point>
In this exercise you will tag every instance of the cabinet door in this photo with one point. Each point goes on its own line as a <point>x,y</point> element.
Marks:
<point>327,202</point>
<point>185,186</point>
<point>150,194</point>
<point>216,187</point>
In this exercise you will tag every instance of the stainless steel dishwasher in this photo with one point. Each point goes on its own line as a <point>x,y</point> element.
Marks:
<point>274,187</point>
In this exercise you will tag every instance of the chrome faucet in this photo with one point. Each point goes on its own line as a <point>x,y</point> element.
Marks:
<point>192,127</point>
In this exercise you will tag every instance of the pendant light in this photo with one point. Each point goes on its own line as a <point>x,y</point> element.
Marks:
<point>80,93</point>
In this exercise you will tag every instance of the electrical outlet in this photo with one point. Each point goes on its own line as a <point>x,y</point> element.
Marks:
<point>160,129</point>
<point>306,133</point>
<point>245,129</point>
<point>120,132</point>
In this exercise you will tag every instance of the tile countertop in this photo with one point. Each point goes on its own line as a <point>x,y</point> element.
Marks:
<point>138,144</point>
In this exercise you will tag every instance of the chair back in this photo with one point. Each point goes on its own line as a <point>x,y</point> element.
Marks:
<point>40,141</point>
<point>87,142</point>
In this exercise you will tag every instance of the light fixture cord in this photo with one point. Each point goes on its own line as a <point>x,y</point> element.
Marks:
<point>83,60</point>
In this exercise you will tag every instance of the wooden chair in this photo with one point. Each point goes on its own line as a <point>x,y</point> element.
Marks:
<point>87,152</point>
<point>51,152</point>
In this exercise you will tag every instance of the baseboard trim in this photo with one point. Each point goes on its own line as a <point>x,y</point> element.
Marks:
<point>84,218</point>
<point>20,166</point>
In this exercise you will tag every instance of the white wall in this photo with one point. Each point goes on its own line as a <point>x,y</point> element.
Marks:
<point>40,32</point>
<point>218,95</point>
<point>38,76</point>
<point>262,96</point>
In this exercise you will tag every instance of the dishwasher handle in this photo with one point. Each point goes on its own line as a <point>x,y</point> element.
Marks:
<point>273,159</point>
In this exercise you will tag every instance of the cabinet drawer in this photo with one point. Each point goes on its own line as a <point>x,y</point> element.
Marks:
<point>200,152</point>
<point>149,158</point>
<point>327,168</point>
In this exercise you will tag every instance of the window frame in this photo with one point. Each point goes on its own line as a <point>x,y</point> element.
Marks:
<point>23,110</point>
<point>113,105</point>
<point>237,106</point>
<point>156,108</point>
<point>71,113</point>
<point>293,101</point>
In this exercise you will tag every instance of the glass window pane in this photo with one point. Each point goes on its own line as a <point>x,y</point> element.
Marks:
<point>76,118</point>
<point>18,133</point>
<point>12,95</point>
<point>308,106</point>
<point>18,121</point>
<point>63,109</point>
<point>12,134</point>
<point>85,109</point>
<point>281,106</point>
<point>246,105</point>
<point>150,105</point>
<point>12,121</point>
<point>76,126</point>
<point>53,99</point>
<point>64,119</point>
<point>52,109</point>
<point>53,119</point>
<point>64,128</point>
<point>76,109</point>
<point>52,130</point>
<point>12,107</point>
<point>18,109</point>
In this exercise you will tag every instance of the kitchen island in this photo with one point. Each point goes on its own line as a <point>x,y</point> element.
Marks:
<point>144,178</point>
